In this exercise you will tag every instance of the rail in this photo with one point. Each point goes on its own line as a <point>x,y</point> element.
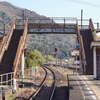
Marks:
<point>20,23</point>
<point>68,84</point>
<point>33,96</point>
<point>6,39</point>
<point>20,49</point>
<point>6,84</point>
<point>82,51</point>
<point>6,79</point>
<point>93,30</point>
<point>49,25</point>
<point>40,87</point>
<point>52,20</point>
<point>91,26</point>
<point>83,24</point>
<point>53,84</point>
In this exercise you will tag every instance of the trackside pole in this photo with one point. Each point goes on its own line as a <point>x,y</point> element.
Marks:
<point>22,64</point>
<point>15,84</point>
<point>3,94</point>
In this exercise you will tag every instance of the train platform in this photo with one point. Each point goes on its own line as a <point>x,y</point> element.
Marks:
<point>84,87</point>
<point>94,84</point>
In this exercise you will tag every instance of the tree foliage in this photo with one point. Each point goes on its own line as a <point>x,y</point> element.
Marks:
<point>51,58</point>
<point>34,58</point>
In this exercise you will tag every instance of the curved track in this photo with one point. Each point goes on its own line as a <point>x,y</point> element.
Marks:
<point>51,87</point>
<point>43,89</point>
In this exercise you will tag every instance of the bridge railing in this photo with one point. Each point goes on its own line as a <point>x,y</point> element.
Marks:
<point>20,49</point>
<point>52,20</point>
<point>6,38</point>
<point>52,25</point>
<point>20,23</point>
<point>83,24</point>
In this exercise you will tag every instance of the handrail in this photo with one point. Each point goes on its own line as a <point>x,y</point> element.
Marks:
<point>6,39</point>
<point>91,26</point>
<point>93,30</point>
<point>83,58</point>
<point>4,78</point>
<point>20,49</point>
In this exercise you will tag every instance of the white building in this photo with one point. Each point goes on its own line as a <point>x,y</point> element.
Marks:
<point>96,54</point>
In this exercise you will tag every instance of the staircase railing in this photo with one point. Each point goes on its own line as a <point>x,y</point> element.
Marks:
<point>91,27</point>
<point>20,49</point>
<point>6,39</point>
<point>82,51</point>
<point>6,78</point>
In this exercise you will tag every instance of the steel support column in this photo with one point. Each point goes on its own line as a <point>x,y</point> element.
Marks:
<point>94,62</point>
<point>22,64</point>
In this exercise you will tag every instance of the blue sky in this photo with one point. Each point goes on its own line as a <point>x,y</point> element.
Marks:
<point>62,8</point>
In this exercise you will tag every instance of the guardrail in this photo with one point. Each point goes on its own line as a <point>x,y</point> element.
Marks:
<point>20,49</point>
<point>49,24</point>
<point>83,24</point>
<point>93,30</point>
<point>82,51</point>
<point>6,83</point>
<point>53,20</point>
<point>6,79</point>
<point>20,23</point>
<point>91,26</point>
<point>6,39</point>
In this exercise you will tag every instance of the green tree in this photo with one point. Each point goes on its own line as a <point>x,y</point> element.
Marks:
<point>34,58</point>
<point>51,58</point>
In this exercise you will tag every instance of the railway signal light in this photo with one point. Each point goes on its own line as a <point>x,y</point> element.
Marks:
<point>56,49</point>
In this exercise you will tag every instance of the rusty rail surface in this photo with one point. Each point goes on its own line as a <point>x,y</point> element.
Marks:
<point>6,39</point>
<point>20,49</point>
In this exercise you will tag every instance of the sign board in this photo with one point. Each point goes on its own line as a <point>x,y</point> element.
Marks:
<point>77,45</point>
<point>75,53</point>
<point>77,62</point>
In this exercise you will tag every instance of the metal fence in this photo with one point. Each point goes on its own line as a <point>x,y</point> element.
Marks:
<point>6,84</point>
<point>6,79</point>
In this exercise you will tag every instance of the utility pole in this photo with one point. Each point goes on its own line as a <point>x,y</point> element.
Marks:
<point>97,25</point>
<point>24,14</point>
<point>3,17</point>
<point>81,18</point>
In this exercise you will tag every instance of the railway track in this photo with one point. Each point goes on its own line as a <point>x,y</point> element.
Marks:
<point>45,92</point>
<point>57,90</point>
<point>51,87</point>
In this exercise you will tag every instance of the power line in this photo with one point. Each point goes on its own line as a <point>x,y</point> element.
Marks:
<point>85,3</point>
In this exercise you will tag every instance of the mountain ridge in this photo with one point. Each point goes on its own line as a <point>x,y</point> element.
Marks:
<point>13,11</point>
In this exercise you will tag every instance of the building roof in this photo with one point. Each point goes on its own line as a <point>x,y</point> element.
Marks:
<point>95,44</point>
